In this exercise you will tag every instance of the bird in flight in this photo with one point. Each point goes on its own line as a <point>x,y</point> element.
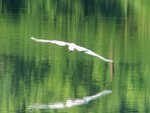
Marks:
<point>72,47</point>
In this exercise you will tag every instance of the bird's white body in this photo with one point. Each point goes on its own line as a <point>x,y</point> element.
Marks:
<point>72,47</point>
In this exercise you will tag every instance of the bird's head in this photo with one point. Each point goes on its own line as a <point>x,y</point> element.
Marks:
<point>71,49</point>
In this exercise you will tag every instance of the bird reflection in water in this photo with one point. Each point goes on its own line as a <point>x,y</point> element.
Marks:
<point>70,102</point>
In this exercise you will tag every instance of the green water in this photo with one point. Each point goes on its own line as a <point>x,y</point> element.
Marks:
<point>32,72</point>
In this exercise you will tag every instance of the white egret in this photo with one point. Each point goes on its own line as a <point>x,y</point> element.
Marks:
<point>72,47</point>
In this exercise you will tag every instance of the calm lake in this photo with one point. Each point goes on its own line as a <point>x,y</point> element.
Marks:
<point>47,78</point>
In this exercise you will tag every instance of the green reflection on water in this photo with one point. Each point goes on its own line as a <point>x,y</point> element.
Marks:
<point>38,73</point>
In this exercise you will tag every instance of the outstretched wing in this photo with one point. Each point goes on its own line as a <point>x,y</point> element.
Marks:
<point>96,55</point>
<point>87,51</point>
<point>60,43</point>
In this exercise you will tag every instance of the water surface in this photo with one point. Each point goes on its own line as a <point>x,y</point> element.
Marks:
<point>33,73</point>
